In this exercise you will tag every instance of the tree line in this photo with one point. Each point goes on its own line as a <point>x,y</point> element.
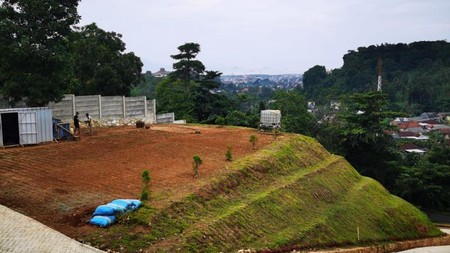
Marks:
<point>43,55</point>
<point>416,76</point>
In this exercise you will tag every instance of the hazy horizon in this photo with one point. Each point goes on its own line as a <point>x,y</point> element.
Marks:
<point>265,37</point>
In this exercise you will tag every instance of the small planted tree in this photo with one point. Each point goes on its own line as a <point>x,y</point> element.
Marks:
<point>145,185</point>
<point>195,164</point>
<point>253,140</point>
<point>228,155</point>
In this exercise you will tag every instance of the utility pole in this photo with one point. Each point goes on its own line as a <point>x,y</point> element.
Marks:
<point>380,72</point>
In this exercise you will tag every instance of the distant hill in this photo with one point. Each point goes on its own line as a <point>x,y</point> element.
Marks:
<point>416,76</point>
<point>292,195</point>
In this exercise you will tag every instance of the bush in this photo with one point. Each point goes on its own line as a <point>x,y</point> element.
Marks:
<point>228,155</point>
<point>220,121</point>
<point>195,164</point>
<point>253,140</point>
<point>145,185</point>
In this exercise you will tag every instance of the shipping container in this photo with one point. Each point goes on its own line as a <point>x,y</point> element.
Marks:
<point>25,126</point>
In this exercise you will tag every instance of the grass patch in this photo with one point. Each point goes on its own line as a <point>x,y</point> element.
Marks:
<point>293,194</point>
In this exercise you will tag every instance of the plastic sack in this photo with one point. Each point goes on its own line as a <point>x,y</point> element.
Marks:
<point>123,202</point>
<point>117,208</point>
<point>129,204</point>
<point>105,210</point>
<point>102,221</point>
<point>135,203</point>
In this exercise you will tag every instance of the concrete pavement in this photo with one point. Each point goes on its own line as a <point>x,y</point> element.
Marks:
<point>22,234</point>
<point>435,249</point>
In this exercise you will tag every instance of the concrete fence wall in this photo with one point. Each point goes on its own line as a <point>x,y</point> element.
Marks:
<point>100,107</point>
<point>166,118</point>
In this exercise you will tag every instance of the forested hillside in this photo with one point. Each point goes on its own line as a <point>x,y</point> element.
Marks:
<point>416,76</point>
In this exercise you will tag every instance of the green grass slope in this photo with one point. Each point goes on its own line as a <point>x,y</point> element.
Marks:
<point>292,195</point>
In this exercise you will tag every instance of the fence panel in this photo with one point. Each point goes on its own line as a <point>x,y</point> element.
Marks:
<point>112,107</point>
<point>166,118</point>
<point>99,107</point>
<point>63,110</point>
<point>135,107</point>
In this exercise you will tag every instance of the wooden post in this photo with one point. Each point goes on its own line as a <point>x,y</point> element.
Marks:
<point>145,107</point>
<point>99,106</point>
<point>74,106</point>
<point>123,106</point>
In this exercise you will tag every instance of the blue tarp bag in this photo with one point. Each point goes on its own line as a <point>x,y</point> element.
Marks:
<point>102,221</point>
<point>123,202</point>
<point>118,208</point>
<point>105,210</point>
<point>135,203</point>
<point>129,204</point>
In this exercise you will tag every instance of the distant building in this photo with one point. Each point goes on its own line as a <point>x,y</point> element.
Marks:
<point>430,116</point>
<point>312,107</point>
<point>161,73</point>
<point>412,148</point>
<point>335,105</point>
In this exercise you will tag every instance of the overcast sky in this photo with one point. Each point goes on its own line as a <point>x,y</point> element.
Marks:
<point>265,36</point>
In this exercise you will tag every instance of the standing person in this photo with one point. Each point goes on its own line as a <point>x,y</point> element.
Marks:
<point>76,123</point>
<point>89,122</point>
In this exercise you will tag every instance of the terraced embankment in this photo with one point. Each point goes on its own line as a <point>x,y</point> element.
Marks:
<point>291,195</point>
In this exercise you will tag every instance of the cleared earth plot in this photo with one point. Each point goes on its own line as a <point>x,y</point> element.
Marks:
<point>289,193</point>
<point>60,184</point>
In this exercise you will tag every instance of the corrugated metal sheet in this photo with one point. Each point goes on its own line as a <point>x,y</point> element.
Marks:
<point>35,124</point>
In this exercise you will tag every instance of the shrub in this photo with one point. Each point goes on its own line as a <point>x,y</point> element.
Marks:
<point>228,155</point>
<point>220,121</point>
<point>253,140</point>
<point>145,185</point>
<point>195,164</point>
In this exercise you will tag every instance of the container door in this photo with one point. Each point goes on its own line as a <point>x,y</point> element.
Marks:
<point>27,128</point>
<point>9,129</point>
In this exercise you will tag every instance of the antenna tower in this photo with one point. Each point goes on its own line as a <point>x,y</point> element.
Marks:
<point>380,72</point>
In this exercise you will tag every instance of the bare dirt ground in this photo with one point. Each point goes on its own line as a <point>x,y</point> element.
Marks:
<point>60,184</point>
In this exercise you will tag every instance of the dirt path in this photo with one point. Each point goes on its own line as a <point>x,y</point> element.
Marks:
<point>59,184</point>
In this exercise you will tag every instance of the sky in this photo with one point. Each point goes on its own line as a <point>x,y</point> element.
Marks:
<point>265,36</point>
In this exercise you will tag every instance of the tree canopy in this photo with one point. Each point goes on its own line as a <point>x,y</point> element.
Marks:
<point>296,119</point>
<point>359,134</point>
<point>189,89</point>
<point>416,76</point>
<point>34,62</point>
<point>187,68</point>
<point>101,66</point>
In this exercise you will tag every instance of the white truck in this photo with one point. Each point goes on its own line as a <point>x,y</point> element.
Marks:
<point>270,120</point>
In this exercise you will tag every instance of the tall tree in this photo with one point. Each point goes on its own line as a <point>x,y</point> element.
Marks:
<point>34,62</point>
<point>189,91</point>
<point>100,64</point>
<point>362,136</point>
<point>207,104</point>
<point>187,69</point>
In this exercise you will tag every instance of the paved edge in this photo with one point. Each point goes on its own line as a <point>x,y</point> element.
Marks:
<point>9,216</point>
<point>392,247</point>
